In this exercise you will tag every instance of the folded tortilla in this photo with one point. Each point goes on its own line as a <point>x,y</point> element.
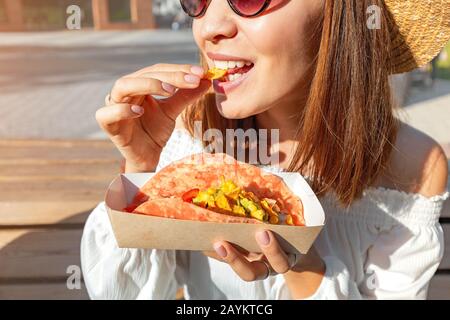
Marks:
<point>162,194</point>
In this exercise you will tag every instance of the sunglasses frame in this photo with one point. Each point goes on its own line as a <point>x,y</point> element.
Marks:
<point>230,2</point>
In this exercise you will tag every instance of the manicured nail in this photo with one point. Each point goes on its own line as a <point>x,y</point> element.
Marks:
<point>137,109</point>
<point>191,78</point>
<point>197,70</point>
<point>220,250</point>
<point>168,87</point>
<point>263,238</point>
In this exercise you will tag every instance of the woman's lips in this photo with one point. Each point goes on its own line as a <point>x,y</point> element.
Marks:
<point>224,87</point>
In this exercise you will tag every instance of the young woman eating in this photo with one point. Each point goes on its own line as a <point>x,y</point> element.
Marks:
<point>318,71</point>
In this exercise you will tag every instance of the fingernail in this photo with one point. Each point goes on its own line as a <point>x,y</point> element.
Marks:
<point>197,70</point>
<point>220,250</point>
<point>191,78</point>
<point>263,238</point>
<point>137,109</point>
<point>168,87</point>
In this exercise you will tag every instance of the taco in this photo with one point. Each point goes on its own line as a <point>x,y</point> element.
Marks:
<point>218,188</point>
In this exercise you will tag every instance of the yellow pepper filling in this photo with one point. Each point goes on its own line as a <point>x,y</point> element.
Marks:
<point>231,199</point>
<point>215,73</point>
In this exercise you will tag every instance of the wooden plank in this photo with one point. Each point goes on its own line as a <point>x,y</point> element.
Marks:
<point>20,213</point>
<point>47,143</point>
<point>445,264</point>
<point>439,287</point>
<point>446,210</point>
<point>57,150</point>
<point>55,189</point>
<point>44,291</point>
<point>46,170</point>
<point>43,161</point>
<point>56,169</point>
<point>38,253</point>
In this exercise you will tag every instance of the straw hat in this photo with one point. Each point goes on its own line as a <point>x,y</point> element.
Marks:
<point>420,29</point>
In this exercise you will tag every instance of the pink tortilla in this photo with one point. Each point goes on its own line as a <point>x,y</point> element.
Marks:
<point>161,195</point>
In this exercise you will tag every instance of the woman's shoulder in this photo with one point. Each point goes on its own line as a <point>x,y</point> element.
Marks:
<point>418,164</point>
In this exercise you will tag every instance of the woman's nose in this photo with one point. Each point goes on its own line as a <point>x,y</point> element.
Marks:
<point>218,21</point>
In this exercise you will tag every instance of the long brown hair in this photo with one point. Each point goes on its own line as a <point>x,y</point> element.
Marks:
<point>347,127</point>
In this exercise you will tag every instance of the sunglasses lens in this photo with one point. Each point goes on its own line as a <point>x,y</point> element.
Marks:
<point>248,7</point>
<point>193,7</point>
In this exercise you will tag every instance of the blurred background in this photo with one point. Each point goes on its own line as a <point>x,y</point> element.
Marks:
<point>58,60</point>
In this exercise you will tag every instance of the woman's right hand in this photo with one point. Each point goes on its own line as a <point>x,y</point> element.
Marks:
<point>140,125</point>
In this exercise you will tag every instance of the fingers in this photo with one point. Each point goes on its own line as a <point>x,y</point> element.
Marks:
<point>166,67</point>
<point>108,117</point>
<point>245,269</point>
<point>278,260</point>
<point>131,87</point>
<point>150,85</point>
<point>154,83</point>
<point>174,80</point>
<point>175,104</point>
<point>181,84</point>
<point>273,252</point>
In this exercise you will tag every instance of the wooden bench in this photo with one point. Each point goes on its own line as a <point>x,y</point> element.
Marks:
<point>47,190</point>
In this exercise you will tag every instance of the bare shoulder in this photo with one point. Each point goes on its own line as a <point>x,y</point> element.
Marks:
<point>418,164</point>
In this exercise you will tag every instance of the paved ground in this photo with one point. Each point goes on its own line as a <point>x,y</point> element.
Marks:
<point>429,110</point>
<point>51,83</point>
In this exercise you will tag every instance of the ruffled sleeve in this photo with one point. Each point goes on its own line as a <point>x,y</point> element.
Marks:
<point>401,246</point>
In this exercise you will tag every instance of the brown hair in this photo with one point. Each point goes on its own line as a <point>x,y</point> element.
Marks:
<point>347,126</point>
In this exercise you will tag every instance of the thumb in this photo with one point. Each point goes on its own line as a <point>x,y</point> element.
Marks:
<point>174,105</point>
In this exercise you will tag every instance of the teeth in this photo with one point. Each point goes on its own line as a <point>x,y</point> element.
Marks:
<point>221,64</point>
<point>225,65</point>
<point>235,76</point>
<point>231,64</point>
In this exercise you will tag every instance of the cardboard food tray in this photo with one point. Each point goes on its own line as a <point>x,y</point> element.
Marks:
<point>151,232</point>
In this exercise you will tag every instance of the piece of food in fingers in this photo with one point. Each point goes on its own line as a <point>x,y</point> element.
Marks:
<point>218,188</point>
<point>215,73</point>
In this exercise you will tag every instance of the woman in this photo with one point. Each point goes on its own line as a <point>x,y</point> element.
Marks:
<point>317,71</point>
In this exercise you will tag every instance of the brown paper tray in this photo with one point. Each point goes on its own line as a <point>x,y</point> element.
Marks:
<point>149,232</point>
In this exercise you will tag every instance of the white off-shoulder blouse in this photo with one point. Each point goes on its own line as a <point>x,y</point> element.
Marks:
<point>387,245</point>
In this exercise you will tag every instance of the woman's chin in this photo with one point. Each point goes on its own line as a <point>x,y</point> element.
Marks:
<point>232,114</point>
<point>232,111</point>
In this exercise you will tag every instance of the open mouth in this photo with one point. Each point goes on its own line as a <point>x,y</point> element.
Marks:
<point>235,69</point>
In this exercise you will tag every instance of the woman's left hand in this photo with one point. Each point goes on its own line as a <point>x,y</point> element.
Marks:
<point>257,266</point>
